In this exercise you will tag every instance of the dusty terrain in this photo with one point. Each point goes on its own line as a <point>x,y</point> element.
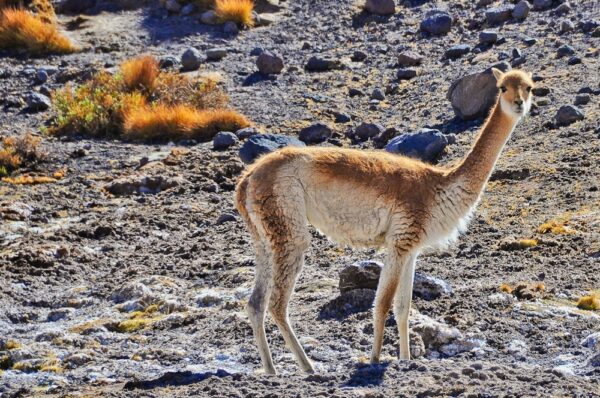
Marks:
<point>75,260</point>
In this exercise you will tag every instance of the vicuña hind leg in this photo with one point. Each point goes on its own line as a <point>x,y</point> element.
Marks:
<point>257,304</point>
<point>287,265</point>
<point>402,304</point>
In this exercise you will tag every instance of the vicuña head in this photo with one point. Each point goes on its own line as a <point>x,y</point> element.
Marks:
<point>363,199</point>
<point>515,91</point>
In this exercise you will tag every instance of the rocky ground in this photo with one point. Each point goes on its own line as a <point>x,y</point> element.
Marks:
<point>128,277</point>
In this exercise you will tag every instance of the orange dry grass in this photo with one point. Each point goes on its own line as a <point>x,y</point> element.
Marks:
<point>590,303</point>
<point>162,123</point>
<point>238,11</point>
<point>20,28</point>
<point>140,73</point>
<point>16,151</point>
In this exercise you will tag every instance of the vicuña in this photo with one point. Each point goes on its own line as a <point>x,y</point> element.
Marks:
<point>364,199</point>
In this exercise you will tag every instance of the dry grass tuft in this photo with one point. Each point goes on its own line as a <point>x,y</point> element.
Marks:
<point>590,303</point>
<point>16,151</point>
<point>180,122</point>
<point>506,288</point>
<point>555,227</point>
<point>142,103</point>
<point>42,8</point>
<point>140,73</point>
<point>238,11</point>
<point>20,28</point>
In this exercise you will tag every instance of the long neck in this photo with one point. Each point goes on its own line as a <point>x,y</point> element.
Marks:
<point>473,172</point>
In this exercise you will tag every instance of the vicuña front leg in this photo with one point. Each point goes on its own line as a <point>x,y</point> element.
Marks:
<point>402,304</point>
<point>386,289</point>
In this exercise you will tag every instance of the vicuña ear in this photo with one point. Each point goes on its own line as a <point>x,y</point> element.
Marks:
<point>497,73</point>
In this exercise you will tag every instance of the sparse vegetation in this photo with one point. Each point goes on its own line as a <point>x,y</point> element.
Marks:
<point>42,8</point>
<point>555,227</point>
<point>524,290</point>
<point>20,28</point>
<point>17,151</point>
<point>590,302</point>
<point>142,103</point>
<point>238,11</point>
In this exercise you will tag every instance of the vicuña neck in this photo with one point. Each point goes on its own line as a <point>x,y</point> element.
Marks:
<point>475,169</point>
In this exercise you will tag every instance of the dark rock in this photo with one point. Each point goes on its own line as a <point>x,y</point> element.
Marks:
<point>564,51</point>
<point>488,37</point>
<point>342,117</point>
<point>582,99</point>
<point>366,131</point>
<point>224,140</point>
<point>566,26</point>
<point>574,60</point>
<point>498,15</point>
<point>75,6</point>
<point>425,144</point>
<point>360,275</point>
<point>355,92</point>
<point>209,17</point>
<point>37,102</point>
<point>568,114</point>
<point>256,51</point>
<point>322,64</point>
<point>516,53</point>
<point>521,10</point>
<point>167,62</point>
<point>315,134</point>
<point>457,51</point>
<point>429,287</point>
<point>437,22</point>
<point>191,59</point>
<point>359,56</point>
<point>472,96</point>
<point>406,73</point>
<point>378,94</point>
<point>562,9</point>
<point>226,217</point>
<point>41,76</point>
<point>530,41</point>
<point>247,132</point>
<point>269,63</point>
<point>409,58</point>
<point>264,143</point>
<point>541,91</point>
<point>595,360</point>
<point>542,4</point>
<point>380,7</point>
<point>230,28</point>
<point>216,54</point>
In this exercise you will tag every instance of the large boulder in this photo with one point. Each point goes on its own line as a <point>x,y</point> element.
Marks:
<point>260,144</point>
<point>425,144</point>
<point>437,22</point>
<point>472,96</point>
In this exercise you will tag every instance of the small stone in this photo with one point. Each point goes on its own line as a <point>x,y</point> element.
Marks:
<point>269,63</point>
<point>457,51</point>
<point>322,64</point>
<point>568,114</point>
<point>498,15</point>
<point>355,92</point>
<point>191,59</point>
<point>595,360</point>
<point>564,51</point>
<point>341,117</point>
<point>360,275</point>
<point>380,7</point>
<point>436,22</point>
<point>582,99</point>
<point>226,217</point>
<point>216,54</point>
<point>37,102</point>
<point>315,133</point>
<point>429,287</point>
<point>542,4</point>
<point>562,9</point>
<point>378,94</point>
<point>224,139</point>
<point>256,51</point>
<point>425,144</point>
<point>530,41</point>
<point>209,17</point>
<point>188,9</point>
<point>574,60</point>
<point>406,73</point>
<point>260,144</point>
<point>172,6</point>
<point>541,91</point>
<point>521,10</point>
<point>41,76</point>
<point>59,314</point>
<point>516,53</point>
<point>409,58</point>
<point>366,131</point>
<point>566,26</point>
<point>488,37</point>
<point>230,28</point>
<point>359,56</point>
<point>78,359</point>
<point>246,132</point>
<point>592,341</point>
<point>167,62</point>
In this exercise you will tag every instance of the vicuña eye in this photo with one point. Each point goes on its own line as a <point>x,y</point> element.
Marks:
<point>503,89</point>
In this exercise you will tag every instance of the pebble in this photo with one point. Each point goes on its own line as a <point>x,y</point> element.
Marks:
<point>359,56</point>
<point>269,63</point>
<point>378,94</point>
<point>542,4</point>
<point>188,9</point>
<point>574,60</point>
<point>498,15</point>
<point>246,132</point>
<point>521,10</point>
<point>341,117</point>
<point>191,59</point>
<point>41,76</point>
<point>216,54</point>
<point>380,7</point>
<point>230,28</point>
<point>436,22</point>
<point>321,64</point>
<point>406,73</point>
<point>562,9</point>
<point>224,140</point>
<point>409,58</point>
<point>167,62</point>
<point>566,26</point>
<point>568,114</point>
<point>315,133</point>
<point>457,51</point>
<point>582,99</point>
<point>264,143</point>
<point>37,102</point>
<point>226,217</point>
<point>209,17</point>
<point>488,37</point>
<point>366,131</point>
